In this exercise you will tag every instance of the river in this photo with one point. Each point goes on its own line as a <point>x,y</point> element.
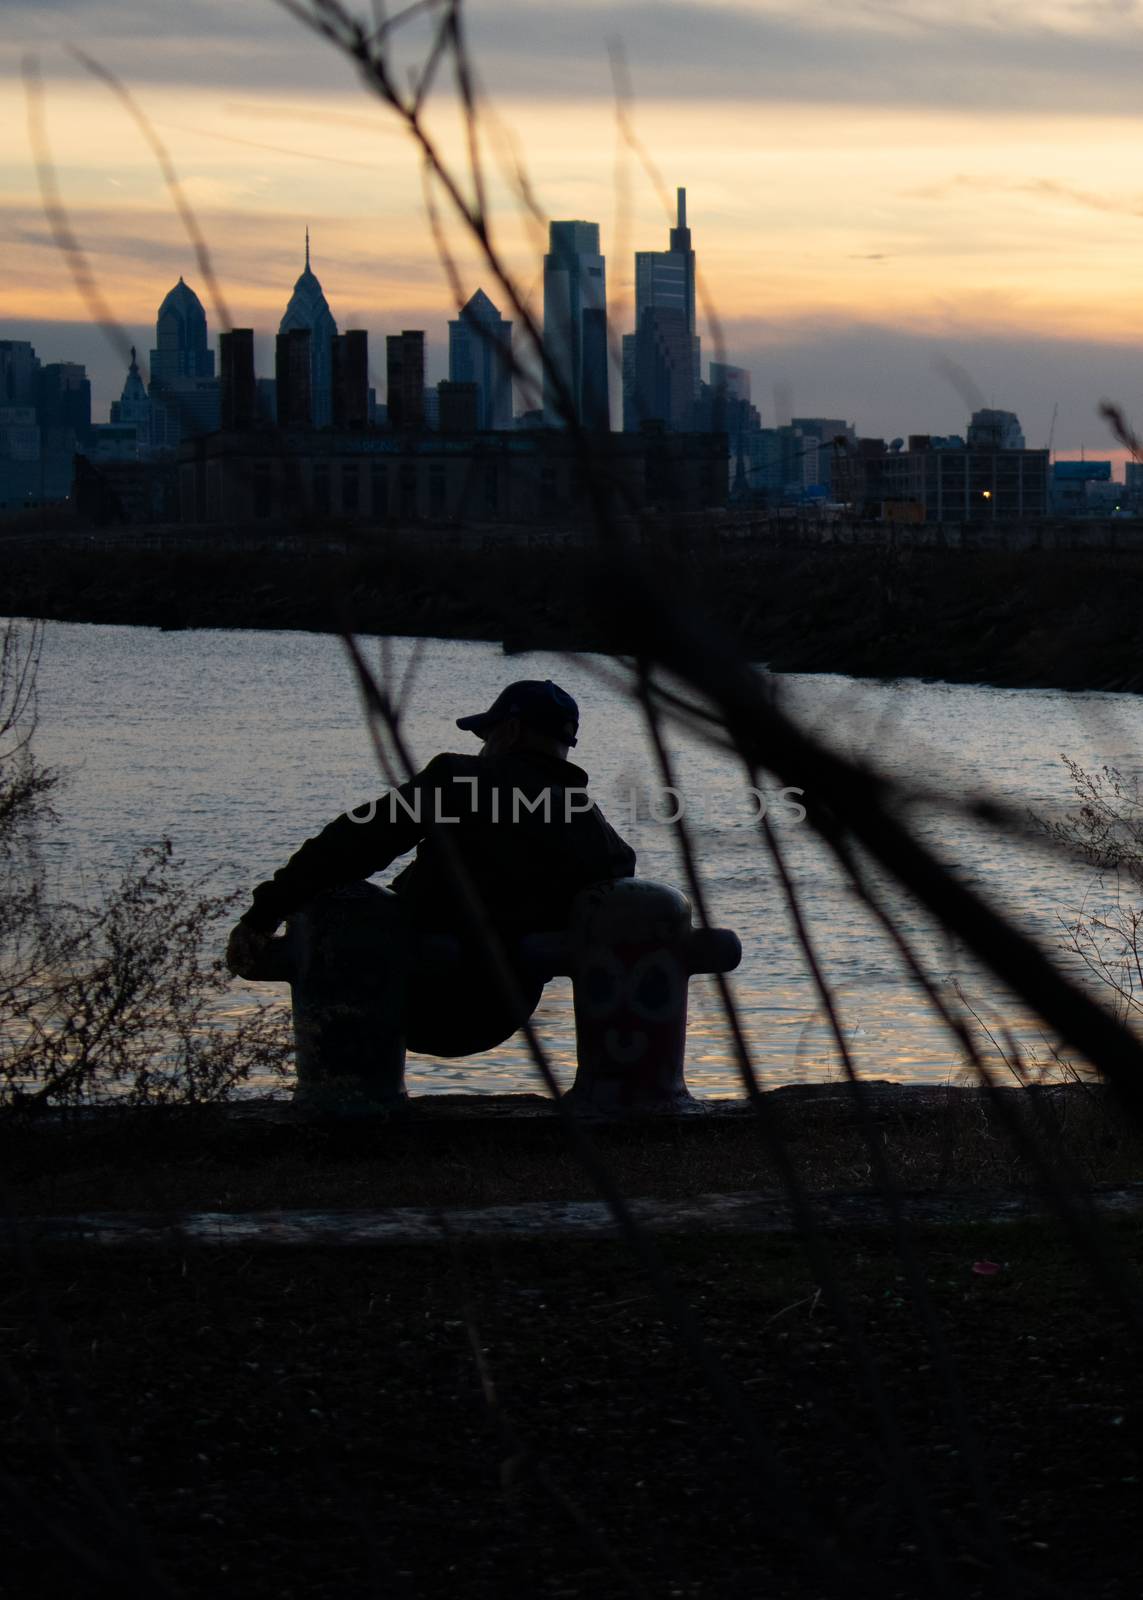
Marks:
<point>237,745</point>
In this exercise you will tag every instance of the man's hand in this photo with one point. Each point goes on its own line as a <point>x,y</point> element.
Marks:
<point>246,951</point>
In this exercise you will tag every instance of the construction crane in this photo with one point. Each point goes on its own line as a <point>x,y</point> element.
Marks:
<point>1052,429</point>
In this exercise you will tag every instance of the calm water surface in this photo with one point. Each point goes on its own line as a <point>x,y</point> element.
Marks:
<point>239,745</point>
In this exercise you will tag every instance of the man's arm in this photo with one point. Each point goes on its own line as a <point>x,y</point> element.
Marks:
<point>617,853</point>
<point>353,846</point>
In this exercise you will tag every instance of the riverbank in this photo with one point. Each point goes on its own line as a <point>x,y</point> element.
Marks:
<point>509,1150</point>
<point>1062,619</point>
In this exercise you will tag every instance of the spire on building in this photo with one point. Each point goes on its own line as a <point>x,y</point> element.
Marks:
<point>133,408</point>
<point>661,378</point>
<point>309,309</point>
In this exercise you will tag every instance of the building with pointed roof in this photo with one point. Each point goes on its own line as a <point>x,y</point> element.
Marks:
<point>309,309</point>
<point>480,352</point>
<point>183,389</point>
<point>133,407</point>
<point>182,350</point>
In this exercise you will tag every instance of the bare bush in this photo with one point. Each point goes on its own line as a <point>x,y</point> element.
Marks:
<point>1106,933</point>
<point>116,1000</point>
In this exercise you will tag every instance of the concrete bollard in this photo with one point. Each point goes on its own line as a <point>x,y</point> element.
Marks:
<point>631,954</point>
<point>346,957</point>
<point>349,957</point>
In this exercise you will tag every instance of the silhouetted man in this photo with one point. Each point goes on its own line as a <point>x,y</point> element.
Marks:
<point>524,831</point>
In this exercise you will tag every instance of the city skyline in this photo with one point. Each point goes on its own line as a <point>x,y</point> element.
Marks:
<point>857,246</point>
<point>308,309</point>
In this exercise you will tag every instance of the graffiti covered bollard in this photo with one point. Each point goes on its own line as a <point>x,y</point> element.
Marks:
<point>631,953</point>
<point>351,961</point>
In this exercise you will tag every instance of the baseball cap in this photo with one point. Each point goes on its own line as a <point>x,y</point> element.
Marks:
<point>542,705</point>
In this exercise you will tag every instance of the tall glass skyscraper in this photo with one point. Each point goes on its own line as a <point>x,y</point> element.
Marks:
<point>662,357</point>
<point>183,391</point>
<point>666,278</point>
<point>182,350</point>
<point>575,325</point>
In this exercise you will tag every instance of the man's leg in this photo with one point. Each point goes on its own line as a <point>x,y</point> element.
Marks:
<point>460,1009</point>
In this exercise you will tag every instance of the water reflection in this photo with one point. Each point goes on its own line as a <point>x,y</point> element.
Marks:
<point>240,744</point>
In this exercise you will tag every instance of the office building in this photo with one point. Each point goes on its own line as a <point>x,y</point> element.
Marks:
<point>19,365</point>
<point>822,438</point>
<point>995,430</point>
<point>665,279</point>
<point>730,381</point>
<point>664,369</point>
<point>44,412</point>
<point>458,408</point>
<point>308,309</point>
<point>1083,489</point>
<point>63,397</point>
<point>239,395</point>
<point>183,388</point>
<point>266,392</point>
<point>661,376</point>
<point>350,377</point>
<point>505,476</point>
<point>293,379</point>
<point>480,352</point>
<point>575,328</point>
<point>942,480</point>
<point>133,411</point>
<point>181,348</point>
<point>405,380</point>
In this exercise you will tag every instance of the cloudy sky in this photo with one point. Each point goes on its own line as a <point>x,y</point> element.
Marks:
<point>900,209</point>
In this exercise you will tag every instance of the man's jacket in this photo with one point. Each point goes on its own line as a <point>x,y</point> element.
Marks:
<point>522,825</point>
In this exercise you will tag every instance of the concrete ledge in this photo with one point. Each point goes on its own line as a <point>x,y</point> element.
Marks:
<point>751,1212</point>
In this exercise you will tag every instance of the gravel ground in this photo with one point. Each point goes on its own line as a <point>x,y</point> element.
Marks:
<point>520,1418</point>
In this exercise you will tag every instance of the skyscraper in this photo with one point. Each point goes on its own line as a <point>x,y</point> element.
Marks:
<point>133,407</point>
<point>732,382</point>
<point>664,369</point>
<point>182,349</point>
<point>351,379</point>
<point>667,277</point>
<point>63,397</point>
<point>184,391</point>
<point>666,347</point>
<point>480,352</point>
<point>575,324</point>
<point>995,430</point>
<point>293,378</point>
<point>309,309</point>
<point>237,384</point>
<point>19,365</point>
<point>405,379</point>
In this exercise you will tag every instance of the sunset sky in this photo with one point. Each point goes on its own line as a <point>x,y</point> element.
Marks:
<point>896,207</point>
